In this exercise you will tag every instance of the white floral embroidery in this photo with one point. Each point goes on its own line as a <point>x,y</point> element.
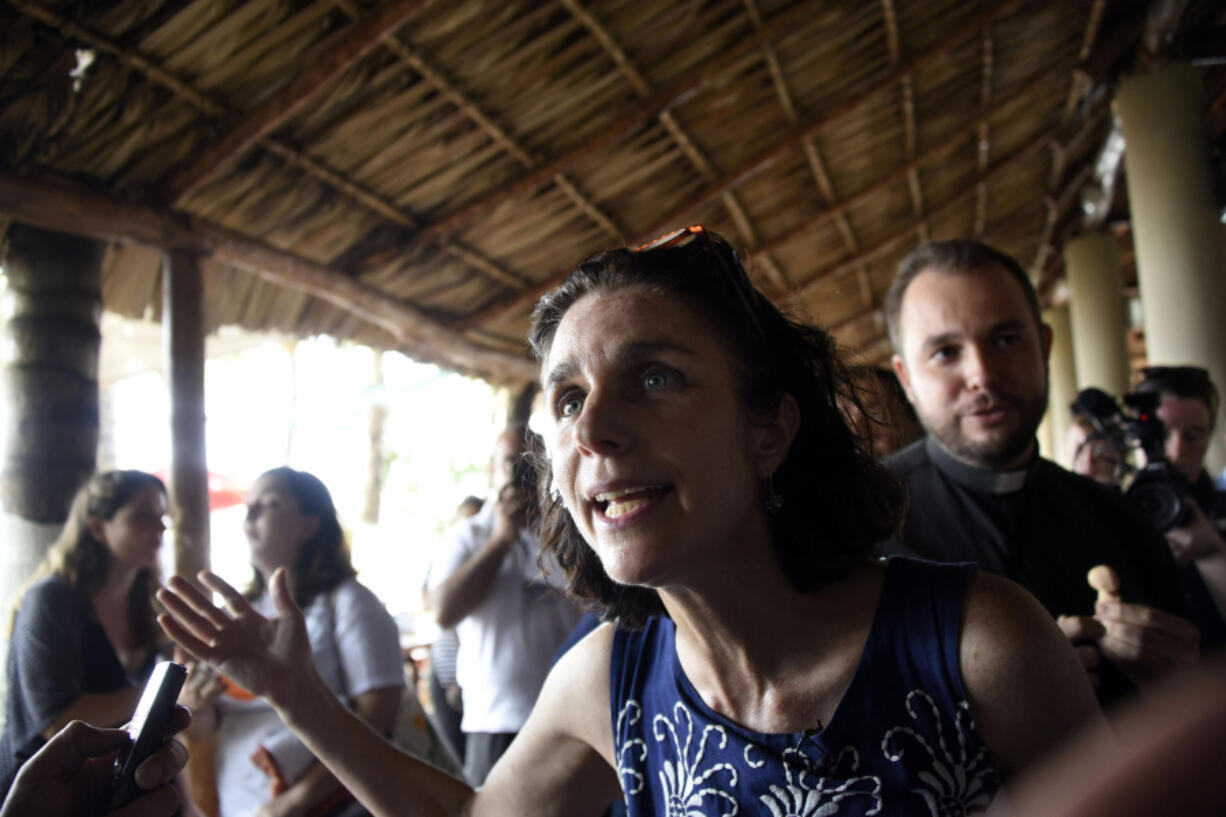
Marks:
<point>630,716</point>
<point>955,784</point>
<point>818,790</point>
<point>684,784</point>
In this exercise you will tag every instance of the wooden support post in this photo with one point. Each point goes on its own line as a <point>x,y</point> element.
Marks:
<point>183,331</point>
<point>519,406</point>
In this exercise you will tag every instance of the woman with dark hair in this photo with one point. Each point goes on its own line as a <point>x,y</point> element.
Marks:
<point>354,647</point>
<point>703,489</point>
<point>83,638</point>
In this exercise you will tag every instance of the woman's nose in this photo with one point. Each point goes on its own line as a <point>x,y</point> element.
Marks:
<point>602,426</point>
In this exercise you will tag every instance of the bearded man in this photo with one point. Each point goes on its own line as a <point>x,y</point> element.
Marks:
<point>971,352</point>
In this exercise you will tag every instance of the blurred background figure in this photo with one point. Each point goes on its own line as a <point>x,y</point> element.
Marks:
<point>487,583</point>
<point>83,636</point>
<point>878,411</point>
<point>1093,450</point>
<point>1187,405</point>
<point>261,766</point>
<point>445,699</point>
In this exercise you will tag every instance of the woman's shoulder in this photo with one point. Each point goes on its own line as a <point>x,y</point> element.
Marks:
<point>52,594</point>
<point>351,592</point>
<point>355,604</point>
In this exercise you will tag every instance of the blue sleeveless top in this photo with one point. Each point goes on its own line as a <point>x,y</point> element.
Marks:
<point>901,742</point>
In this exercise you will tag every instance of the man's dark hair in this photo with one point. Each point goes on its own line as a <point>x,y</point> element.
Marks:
<point>957,256</point>
<point>1186,382</point>
<point>837,502</point>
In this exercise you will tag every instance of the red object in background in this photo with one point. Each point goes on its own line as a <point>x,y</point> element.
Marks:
<point>224,492</point>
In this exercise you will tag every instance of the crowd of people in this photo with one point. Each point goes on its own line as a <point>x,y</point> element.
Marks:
<point>811,588</point>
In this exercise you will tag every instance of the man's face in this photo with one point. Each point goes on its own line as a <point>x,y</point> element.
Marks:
<point>1188,430</point>
<point>974,364</point>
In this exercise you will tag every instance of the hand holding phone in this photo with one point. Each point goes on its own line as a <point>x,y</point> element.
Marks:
<point>147,729</point>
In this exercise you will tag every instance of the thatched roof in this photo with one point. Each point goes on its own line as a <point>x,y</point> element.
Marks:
<point>415,175</point>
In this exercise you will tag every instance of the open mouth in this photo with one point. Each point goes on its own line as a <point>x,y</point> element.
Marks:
<point>614,504</point>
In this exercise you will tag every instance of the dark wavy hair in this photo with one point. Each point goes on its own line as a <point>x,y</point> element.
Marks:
<point>81,561</point>
<point>837,502</point>
<point>323,562</point>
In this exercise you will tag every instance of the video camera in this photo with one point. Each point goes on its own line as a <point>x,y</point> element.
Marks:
<point>1156,490</point>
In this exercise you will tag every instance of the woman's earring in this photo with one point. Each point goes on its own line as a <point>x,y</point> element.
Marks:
<point>774,499</point>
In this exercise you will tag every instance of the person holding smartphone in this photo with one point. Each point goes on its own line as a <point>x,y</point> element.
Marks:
<point>83,637</point>
<point>68,776</point>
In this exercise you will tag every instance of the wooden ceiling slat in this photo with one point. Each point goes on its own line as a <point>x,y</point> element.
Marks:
<point>611,132</point>
<point>852,264</point>
<point>847,103</point>
<point>246,133</point>
<point>676,131</point>
<point>983,147</point>
<point>485,121</point>
<point>292,156</point>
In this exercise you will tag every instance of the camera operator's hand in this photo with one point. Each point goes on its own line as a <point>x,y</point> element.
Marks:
<point>1196,540</point>
<point>511,512</point>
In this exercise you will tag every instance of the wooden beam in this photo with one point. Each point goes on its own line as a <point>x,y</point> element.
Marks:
<point>982,145</point>
<point>183,331</point>
<point>1021,154</point>
<point>59,206</point>
<point>484,121</point>
<point>156,73</point>
<point>674,128</point>
<point>672,94</point>
<point>943,148</point>
<point>243,135</point>
<point>847,104</point>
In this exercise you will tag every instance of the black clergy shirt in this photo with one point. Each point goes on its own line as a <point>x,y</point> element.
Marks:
<point>1043,527</point>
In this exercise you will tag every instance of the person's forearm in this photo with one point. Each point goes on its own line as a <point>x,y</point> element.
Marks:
<point>461,592</point>
<point>97,708</point>
<point>387,781</point>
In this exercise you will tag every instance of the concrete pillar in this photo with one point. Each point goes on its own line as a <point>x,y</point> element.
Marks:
<point>1096,312</point>
<point>1181,257</point>
<point>1061,381</point>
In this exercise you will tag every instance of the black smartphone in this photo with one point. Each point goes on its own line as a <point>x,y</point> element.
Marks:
<point>147,729</point>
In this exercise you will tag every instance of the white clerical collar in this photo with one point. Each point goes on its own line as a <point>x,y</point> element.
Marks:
<point>984,480</point>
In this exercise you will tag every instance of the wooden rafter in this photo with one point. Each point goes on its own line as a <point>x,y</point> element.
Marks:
<point>943,149</point>
<point>1029,150</point>
<point>246,133</point>
<point>1077,80</point>
<point>848,103</point>
<point>809,145</point>
<point>1055,205</point>
<point>676,131</point>
<point>672,94</point>
<point>889,16</point>
<point>485,121</point>
<point>57,205</point>
<point>983,145</point>
<point>159,75</point>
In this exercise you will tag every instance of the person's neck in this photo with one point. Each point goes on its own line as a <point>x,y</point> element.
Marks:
<point>748,658</point>
<point>116,588</point>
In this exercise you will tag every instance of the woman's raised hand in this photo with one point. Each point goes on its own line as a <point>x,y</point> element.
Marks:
<point>264,656</point>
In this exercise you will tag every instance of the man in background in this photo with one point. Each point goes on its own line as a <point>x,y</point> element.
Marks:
<point>971,353</point>
<point>1188,406</point>
<point>509,619</point>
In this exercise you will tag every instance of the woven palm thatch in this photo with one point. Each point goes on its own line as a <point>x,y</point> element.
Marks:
<point>415,175</point>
